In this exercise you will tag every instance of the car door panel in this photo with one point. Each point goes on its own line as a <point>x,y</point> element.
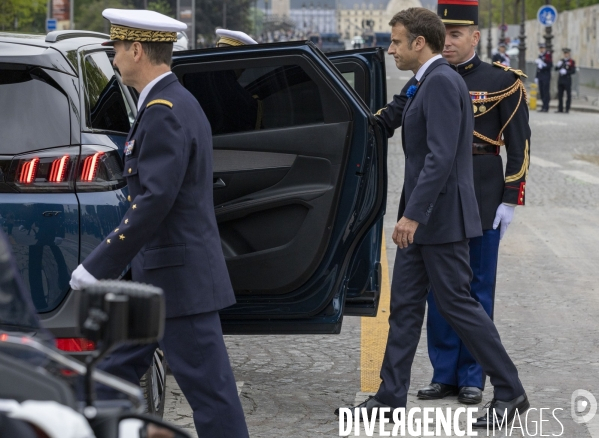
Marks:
<point>293,185</point>
<point>364,69</point>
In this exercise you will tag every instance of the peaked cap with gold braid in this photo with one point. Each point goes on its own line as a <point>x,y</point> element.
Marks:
<point>458,12</point>
<point>228,37</point>
<point>141,26</point>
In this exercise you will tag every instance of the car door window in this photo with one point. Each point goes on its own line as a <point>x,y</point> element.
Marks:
<point>34,111</point>
<point>256,98</point>
<point>106,107</point>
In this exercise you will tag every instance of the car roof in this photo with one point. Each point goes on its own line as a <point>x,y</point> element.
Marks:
<point>49,51</point>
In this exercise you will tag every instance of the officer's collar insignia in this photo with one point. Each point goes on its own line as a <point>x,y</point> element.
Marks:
<point>468,66</point>
<point>129,147</point>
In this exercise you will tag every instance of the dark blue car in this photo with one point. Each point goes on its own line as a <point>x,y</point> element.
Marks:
<point>299,174</point>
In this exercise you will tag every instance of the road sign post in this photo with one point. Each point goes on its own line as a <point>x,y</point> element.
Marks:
<point>50,24</point>
<point>547,15</point>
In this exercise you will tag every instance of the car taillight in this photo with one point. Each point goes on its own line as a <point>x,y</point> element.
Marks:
<point>75,344</point>
<point>100,169</point>
<point>28,171</point>
<point>90,167</point>
<point>59,168</point>
<point>50,170</point>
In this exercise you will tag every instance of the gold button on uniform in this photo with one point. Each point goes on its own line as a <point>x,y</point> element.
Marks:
<point>129,198</point>
<point>130,170</point>
<point>122,237</point>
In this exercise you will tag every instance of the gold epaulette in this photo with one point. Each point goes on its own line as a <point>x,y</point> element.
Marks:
<point>160,102</point>
<point>506,68</point>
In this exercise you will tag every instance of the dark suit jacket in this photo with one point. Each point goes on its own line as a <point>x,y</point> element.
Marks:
<point>169,234</point>
<point>438,189</point>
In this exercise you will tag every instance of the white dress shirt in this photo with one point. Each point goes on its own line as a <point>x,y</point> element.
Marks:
<point>425,66</point>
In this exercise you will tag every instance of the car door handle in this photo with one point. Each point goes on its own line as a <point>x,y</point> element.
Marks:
<point>218,183</point>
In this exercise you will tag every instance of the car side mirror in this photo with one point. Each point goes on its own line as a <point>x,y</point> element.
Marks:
<point>112,312</point>
<point>135,426</point>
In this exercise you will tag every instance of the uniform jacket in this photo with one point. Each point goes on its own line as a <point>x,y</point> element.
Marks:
<point>569,65</point>
<point>169,233</point>
<point>544,66</point>
<point>492,185</point>
<point>438,189</point>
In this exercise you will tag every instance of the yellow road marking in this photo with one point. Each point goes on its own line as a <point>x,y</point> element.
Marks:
<point>374,333</point>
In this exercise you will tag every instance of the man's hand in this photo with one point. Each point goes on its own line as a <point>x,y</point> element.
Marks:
<point>503,216</point>
<point>404,231</point>
<point>81,278</point>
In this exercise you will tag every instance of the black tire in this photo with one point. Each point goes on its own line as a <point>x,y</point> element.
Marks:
<point>153,384</point>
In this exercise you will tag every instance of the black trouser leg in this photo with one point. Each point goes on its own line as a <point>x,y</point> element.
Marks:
<point>560,96</point>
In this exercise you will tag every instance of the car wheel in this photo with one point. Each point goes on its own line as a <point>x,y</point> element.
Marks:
<point>153,384</point>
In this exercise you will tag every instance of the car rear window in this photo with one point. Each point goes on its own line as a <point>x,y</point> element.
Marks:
<point>34,111</point>
<point>256,98</point>
<point>106,107</point>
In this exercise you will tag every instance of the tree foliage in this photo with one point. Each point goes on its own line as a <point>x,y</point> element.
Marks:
<point>512,9</point>
<point>23,15</point>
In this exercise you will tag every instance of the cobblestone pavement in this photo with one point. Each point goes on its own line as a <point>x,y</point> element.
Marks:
<point>547,306</point>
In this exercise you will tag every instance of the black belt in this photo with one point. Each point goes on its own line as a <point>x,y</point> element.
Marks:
<point>484,149</point>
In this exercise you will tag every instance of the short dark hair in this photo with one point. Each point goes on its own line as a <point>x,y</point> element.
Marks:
<point>158,53</point>
<point>422,22</point>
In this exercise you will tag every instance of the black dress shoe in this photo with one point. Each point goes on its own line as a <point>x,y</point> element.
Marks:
<point>502,409</point>
<point>436,391</point>
<point>558,111</point>
<point>370,403</point>
<point>470,395</point>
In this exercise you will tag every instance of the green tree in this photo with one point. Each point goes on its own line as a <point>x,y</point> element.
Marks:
<point>162,6</point>
<point>209,16</point>
<point>23,15</point>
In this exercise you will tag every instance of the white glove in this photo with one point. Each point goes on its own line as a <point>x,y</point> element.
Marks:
<point>562,71</point>
<point>503,216</point>
<point>54,419</point>
<point>58,240</point>
<point>560,63</point>
<point>540,63</point>
<point>81,278</point>
<point>537,81</point>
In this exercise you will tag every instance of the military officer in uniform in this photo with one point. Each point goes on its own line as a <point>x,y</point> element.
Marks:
<point>169,233</point>
<point>543,78</point>
<point>501,56</point>
<point>566,68</point>
<point>500,120</point>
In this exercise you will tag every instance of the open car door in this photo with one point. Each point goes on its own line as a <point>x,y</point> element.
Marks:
<point>364,70</point>
<point>299,181</point>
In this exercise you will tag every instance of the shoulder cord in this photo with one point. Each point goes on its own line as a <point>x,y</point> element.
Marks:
<point>497,97</point>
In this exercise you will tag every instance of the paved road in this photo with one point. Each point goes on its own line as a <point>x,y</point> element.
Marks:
<point>547,307</point>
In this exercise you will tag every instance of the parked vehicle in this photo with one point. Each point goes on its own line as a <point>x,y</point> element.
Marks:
<point>299,175</point>
<point>327,42</point>
<point>33,369</point>
<point>377,39</point>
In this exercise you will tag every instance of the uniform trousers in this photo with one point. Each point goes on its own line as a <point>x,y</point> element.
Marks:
<point>564,84</point>
<point>544,93</point>
<point>196,354</point>
<point>452,362</point>
<point>446,268</point>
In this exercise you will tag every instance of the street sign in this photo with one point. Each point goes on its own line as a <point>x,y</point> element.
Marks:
<point>547,15</point>
<point>503,27</point>
<point>50,24</point>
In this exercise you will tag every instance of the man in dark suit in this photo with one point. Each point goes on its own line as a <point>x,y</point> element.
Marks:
<point>169,234</point>
<point>543,78</point>
<point>438,214</point>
